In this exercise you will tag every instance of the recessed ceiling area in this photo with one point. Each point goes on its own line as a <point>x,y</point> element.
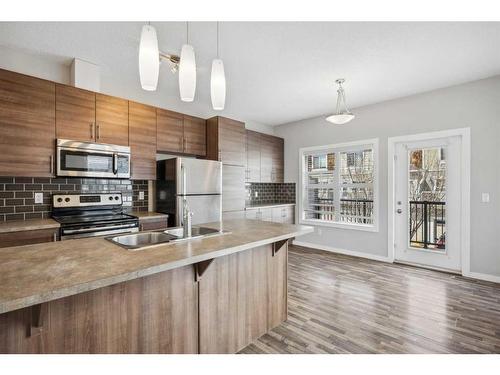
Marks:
<point>276,72</point>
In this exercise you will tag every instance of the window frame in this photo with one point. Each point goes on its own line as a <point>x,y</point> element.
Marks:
<point>372,143</point>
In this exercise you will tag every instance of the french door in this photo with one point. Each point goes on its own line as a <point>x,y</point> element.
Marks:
<point>427,207</point>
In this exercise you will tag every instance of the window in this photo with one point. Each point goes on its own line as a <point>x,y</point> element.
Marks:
<point>339,185</point>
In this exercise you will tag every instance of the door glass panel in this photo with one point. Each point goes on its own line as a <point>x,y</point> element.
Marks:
<point>427,198</point>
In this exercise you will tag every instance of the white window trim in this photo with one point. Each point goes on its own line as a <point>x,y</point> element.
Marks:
<point>374,144</point>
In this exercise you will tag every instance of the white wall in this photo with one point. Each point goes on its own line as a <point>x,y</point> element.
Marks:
<point>475,105</point>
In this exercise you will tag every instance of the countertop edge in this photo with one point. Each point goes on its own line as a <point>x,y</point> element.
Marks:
<point>116,279</point>
<point>26,225</point>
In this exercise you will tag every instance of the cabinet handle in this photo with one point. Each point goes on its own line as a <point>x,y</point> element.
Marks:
<point>98,131</point>
<point>141,227</point>
<point>91,125</point>
<point>51,164</point>
<point>55,236</point>
<point>184,144</point>
<point>219,156</point>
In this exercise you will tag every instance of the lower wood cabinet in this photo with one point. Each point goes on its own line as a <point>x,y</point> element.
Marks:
<point>153,224</point>
<point>242,296</point>
<point>28,237</point>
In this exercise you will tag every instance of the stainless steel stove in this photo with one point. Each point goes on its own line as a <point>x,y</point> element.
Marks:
<point>90,215</point>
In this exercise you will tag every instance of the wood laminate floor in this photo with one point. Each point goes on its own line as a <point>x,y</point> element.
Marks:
<point>342,304</point>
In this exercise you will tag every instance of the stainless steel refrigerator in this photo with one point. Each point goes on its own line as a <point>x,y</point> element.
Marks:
<point>198,181</point>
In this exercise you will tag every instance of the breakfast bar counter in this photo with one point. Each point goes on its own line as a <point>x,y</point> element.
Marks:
<point>206,295</point>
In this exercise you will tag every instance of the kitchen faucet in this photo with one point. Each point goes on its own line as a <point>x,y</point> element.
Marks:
<point>187,220</point>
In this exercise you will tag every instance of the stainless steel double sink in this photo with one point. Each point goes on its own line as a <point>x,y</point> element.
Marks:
<point>138,241</point>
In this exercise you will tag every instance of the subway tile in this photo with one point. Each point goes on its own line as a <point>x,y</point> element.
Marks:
<point>24,194</point>
<point>23,180</point>
<point>14,217</point>
<point>33,187</point>
<point>14,187</point>
<point>33,215</point>
<point>24,209</point>
<point>14,202</point>
<point>58,180</point>
<point>6,210</point>
<point>6,194</point>
<point>41,180</point>
<point>50,187</point>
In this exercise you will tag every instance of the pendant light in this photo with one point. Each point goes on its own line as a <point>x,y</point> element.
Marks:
<point>341,116</point>
<point>149,62</point>
<point>187,71</point>
<point>218,81</point>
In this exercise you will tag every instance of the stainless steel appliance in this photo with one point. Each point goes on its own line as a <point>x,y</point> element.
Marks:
<point>198,182</point>
<point>89,215</point>
<point>88,159</point>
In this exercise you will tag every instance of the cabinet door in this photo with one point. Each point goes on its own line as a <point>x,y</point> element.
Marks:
<point>27,125</point>
<point>289,215</point>
<point>230,215</point>
<point>111,120</point>
<point>142,133</point>
<point>75,114</point>
<point>277,160</point>
<point>278,213</point>
<point>195,136</point>
<point>231,142</point>
<point>145,225</point>
<point>266,158</point>
<point>28,237</point>
<point>253,156</point>
<point>252,214</point>
<point>233,188</point>
<point>266,214</point>
<point>170,131</point>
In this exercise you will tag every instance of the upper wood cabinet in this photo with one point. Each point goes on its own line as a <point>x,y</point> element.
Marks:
<point>170,131</point>
<point>142,139</point>
<point>83,115</point>
<point>27,125</point>
<point>253,156</point>
<point>75,114</point>
<point>226,141</point>
<point>181,134</point>
<point>111,120</point>
<point>195,136</point>
<point>271,158</point>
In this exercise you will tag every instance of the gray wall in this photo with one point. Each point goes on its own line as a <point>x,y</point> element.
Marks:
<point>475,105</point>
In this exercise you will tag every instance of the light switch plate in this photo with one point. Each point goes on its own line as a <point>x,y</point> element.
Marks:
<point>485,197</point>
<point>38,198</point>
<point>141,195</point>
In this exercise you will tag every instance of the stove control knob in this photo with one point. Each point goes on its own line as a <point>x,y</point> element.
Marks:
<point>59,200</point>
<point>66,199</point>
<point>116,198</point>
<point>110,198</point>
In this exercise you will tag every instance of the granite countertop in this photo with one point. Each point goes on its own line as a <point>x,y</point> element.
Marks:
<point>23,225</point>
<point>148,215</point>
<point>265,205</point>
<point>38,273</point>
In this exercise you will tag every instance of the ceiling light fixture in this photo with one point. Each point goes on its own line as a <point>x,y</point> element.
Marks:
<point>187,71</point>
<point>149,63</point>
<point>218,81</point>
<point>341,116</point>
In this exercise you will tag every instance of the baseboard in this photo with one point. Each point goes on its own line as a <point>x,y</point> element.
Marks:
<point>358,254</point>
<point>482,276</point>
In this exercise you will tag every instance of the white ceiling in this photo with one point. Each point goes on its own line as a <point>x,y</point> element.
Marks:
<point>278,72</point>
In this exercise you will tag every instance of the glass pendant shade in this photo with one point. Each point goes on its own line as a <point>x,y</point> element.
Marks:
<point>341,116</point>
<point>187,74</point>
<point>218,85</point>
<point>149,60</point>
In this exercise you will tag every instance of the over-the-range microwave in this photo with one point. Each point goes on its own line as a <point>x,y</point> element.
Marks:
<point>87,159</point>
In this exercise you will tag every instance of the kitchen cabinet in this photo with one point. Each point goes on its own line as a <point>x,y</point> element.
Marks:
<point>180,134</point>
<point>142,140</point>
<point>233,188</point>
<point>195,136</point>
<point>280,214</point>
<point>153,224</point>
<point>170,131</point>
<point>253,156</point>
<point>83,115</point>
<point>226,141</point>
<point>75,114</point>
<point>28,237</point>
<point>27,125</point>
<point>230,215</point>
<point>271,159</point>
<point>111,114</point>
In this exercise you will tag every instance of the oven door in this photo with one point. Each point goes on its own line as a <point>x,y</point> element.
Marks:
<point>92,163</point>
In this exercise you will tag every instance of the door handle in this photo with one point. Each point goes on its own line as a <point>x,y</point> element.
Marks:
<point>115,164</point>
<point>399,210</point>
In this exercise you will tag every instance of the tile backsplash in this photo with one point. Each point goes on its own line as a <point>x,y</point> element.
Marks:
<point>17,194</point>
<point>269,193</point>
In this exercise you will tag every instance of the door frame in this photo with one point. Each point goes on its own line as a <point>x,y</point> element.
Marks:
<point>464,133</point>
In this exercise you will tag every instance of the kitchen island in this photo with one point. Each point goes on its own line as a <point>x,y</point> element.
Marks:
<point>207,295</point>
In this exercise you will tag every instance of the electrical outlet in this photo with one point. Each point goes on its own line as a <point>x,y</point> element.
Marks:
<point>38,198</point>
<point>256,194</point>
<point>485,197</point>
<point>141,195</point>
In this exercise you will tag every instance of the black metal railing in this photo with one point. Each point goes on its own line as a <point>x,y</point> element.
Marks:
<point>427,224</point>
<point>358,211</point>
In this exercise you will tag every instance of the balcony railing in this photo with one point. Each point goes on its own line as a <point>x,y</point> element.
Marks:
<point>427,224</point>
<point>359,211</point>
